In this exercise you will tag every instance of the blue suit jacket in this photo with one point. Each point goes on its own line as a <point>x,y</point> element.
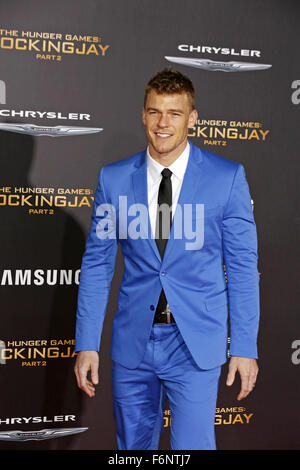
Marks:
<point>193,279</point>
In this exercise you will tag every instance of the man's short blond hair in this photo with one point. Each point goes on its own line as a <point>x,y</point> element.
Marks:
<point>170,81</point>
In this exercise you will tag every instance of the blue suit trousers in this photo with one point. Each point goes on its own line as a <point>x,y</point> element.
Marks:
<point>167,370</point>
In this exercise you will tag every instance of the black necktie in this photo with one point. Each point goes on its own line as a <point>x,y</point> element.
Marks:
<point>163,223</point>
<point>164,213</point>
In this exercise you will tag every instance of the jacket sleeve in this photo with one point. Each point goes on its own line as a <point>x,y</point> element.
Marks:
<point>97,269</point>
<point>240,258</point>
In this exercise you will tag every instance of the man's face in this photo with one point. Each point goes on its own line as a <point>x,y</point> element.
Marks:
<point>167,118</point>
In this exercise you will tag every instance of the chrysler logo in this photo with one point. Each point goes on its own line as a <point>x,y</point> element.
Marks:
<point>2,92</point>
<point>218,66</point>
<point>56,131</point>
<point>2,346</point>
<point>38,435</point>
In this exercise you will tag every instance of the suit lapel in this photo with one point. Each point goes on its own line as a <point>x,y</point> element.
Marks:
<point>140,189</point>
<point>188,190</point>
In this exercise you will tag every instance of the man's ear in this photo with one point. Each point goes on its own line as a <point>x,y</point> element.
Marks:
<point>193,118</point>
<point>144,115</point>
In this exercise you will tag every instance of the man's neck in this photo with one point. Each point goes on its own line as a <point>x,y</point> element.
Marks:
<point>166,159</point>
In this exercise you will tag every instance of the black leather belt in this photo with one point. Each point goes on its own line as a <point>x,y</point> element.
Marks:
<point>165,317</point>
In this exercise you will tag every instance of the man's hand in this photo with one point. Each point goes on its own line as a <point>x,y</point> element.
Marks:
<point>87,361</point>
<point>248,370</point>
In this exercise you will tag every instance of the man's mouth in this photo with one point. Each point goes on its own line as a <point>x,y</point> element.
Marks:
<point>162,135</point>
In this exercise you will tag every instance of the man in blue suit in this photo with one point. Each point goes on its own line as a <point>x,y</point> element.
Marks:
<point>180,214</point>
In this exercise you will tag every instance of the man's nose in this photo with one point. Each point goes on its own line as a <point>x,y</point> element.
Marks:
<point>163,120</point>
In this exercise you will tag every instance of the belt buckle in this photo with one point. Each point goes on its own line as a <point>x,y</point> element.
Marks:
<point>167,312</point>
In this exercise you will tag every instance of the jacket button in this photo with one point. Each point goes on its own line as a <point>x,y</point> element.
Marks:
<point>152,307</point>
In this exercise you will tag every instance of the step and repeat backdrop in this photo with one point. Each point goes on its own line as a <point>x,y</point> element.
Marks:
<point>72,78</point>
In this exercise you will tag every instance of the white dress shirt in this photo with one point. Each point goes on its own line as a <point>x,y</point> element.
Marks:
<point>154,177</point>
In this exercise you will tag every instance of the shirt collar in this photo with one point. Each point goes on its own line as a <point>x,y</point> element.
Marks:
<point>178,167</point>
